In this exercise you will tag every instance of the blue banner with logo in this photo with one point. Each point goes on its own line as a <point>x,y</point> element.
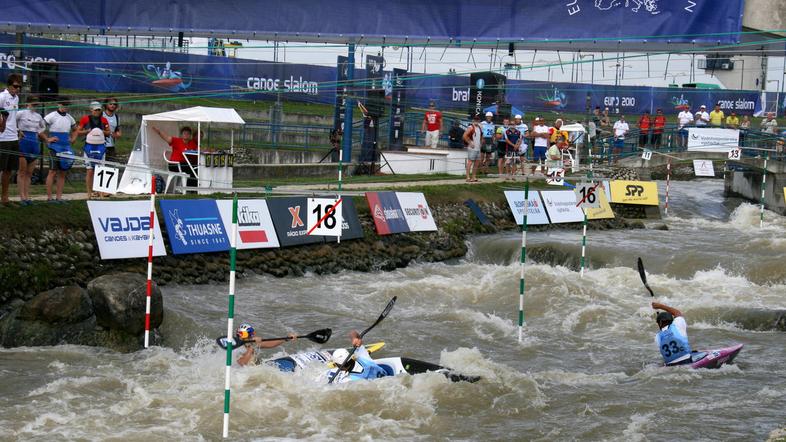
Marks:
<point>194,226</point>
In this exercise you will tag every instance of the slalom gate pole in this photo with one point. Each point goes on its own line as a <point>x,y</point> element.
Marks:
<point>523,256</point>
<point>668,181</point>
<point>584,235</point>
<point>763,184</point>
<point>149,294</point>
<point>230,312</point>
<point>340,169</point>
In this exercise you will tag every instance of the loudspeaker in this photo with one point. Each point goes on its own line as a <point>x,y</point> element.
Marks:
<point>43,80</point>
<point>180,39</point>
<point>511,48</point>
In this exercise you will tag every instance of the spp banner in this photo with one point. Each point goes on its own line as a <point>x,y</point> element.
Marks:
<point>416,212</point>
<point>386,212</point>
<point>194,226</point>
<point>536,213</point>
<point>561,206</point>
<point>602,212</point>
<point>704,139</point>
<point>122,229</point>
<point>254,226</point>
<point>634,192</point>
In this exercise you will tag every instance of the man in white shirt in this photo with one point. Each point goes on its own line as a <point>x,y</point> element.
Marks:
<point>9,135</point>
<point>621,129</point>
<point>62,133</point>
<point>541,134</point>
<point>684,119</point>
<point>702,117</point>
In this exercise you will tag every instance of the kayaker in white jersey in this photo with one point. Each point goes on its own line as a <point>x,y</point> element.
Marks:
<point>672,339</point>
<point>246,335</point>
<point>360,367</point>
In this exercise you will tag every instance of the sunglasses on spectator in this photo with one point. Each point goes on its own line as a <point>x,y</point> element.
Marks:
<point>16,85</point>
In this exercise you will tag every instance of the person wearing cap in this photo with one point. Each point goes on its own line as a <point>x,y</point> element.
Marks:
<point>95,148</point>
<point>658,124</point>
<point>61,135</point>
<point>9,135</point>
<point>672,337</point>
<point>702,117</point>
<point>432,125</point>
<point>473,137</point>
<point>717,116</point>
<point>489,130</point>
<point>502,145</point>
<point>93,120</point>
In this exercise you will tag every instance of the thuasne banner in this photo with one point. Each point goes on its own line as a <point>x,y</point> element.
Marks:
<point>536,213</point>
<point>194,226</point>
<point>416,212</point>
<point>254,226</point>
<point>289,218</point>
<point>350,223</point>
<point>386,212</point>
<point>634,192</point>
<point>122,229</point>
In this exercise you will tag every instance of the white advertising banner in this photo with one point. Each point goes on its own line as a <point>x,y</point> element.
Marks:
<point>254,226</point>
<point>416,212</point>
<point>122,229</point>
<point>561,206</point>
<point>712,139</point>
<point>536,214</point>
<point>703,168</point>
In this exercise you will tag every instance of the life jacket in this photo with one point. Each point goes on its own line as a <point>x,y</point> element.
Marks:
<point>488,129</point>
<point>62,145</point>
<point>362,370</point>
<point>672,344</point>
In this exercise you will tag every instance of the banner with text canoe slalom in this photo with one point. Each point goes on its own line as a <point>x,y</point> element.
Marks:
<point>350,223</point>
<point>194,226</point>
<point>122,229</point>
<point>386,212</point>
<point>254,226</point>
<point>416,212</point>
<point>536,213</point>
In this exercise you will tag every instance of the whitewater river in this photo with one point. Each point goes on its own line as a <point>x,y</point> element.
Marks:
<point>587,368</point>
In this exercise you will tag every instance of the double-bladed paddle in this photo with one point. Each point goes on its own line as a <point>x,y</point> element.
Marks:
<point>319,336</point>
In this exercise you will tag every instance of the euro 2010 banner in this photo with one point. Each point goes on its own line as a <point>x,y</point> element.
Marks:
<point>122,229</point>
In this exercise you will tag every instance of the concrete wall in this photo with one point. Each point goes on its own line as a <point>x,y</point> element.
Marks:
<point>747,185</point>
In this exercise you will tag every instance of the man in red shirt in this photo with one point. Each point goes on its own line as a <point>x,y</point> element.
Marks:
<point>179,145</point>
<point>432,124</point>
<point>644,129</point>
<point>659,125</point>
<point>87,123</point>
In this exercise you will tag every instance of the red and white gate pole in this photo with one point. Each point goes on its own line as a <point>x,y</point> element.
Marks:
<point>150,259</point>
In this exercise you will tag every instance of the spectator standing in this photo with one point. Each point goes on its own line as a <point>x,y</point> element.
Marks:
<point>745,126</point>
<point>432,125</point>
<point>621,129</point>
<point>556,131</point>
<point>93,120</point>
<point>732,121</point>
<point>644,129</point>
<point>455,136</point>
<point>513,140</point>
<point>110,114</point>
<point>659,123</point>
<point>540,134</point>
<point>524,145</point>
<point>9,135</point>
<point>594,125</point>
<point>502,145</point>
<point>33,129</point>
<point>769,125</point>
<point>701,117</point>
<point>717,116</point>
<point>62,133</point>
<point>605,123</point>
<point>489,130</point>
<point>473,138</point>
<point>684,119</point>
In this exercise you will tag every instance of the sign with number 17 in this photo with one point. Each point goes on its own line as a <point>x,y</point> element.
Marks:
<point>324,217</point>
<point>105,179</point>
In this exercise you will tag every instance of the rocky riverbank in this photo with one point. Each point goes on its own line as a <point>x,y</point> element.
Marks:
<point>50,280</point>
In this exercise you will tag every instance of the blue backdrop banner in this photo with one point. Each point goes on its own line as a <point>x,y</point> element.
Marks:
<point>194,226</point>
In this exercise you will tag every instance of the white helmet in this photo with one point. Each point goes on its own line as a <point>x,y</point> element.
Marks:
<point>339,357</point>
<point>489,114</point>
<point>518,117</point>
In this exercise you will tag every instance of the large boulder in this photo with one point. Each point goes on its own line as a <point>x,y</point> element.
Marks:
<point>119,302</point>
<point>61,305</point>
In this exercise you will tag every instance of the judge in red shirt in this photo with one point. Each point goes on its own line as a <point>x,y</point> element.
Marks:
<point>179,145</point>
<point>659,125</point>
<point>644,129</point>
<point>432,124</point>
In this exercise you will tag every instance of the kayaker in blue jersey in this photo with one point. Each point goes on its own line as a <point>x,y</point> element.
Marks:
<point>247,335</point>
<point>360,367</point>
<point>672,339</point>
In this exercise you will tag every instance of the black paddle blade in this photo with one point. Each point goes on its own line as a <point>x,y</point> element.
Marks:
<point>382,316</point>
<point>643,276</point>
<point>223,343</point>
<point>320,336</point>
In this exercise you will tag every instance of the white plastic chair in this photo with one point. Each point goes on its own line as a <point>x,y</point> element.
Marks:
<point>169,178</point>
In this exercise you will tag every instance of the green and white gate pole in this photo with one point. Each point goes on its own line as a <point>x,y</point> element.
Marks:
<point>523,256</point>
<point>584,233</point>
<point>763,183</point>
<point>230,313</point>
